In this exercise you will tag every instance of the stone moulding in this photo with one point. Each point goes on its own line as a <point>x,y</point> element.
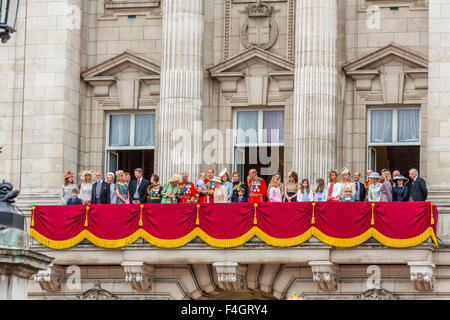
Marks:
<point>422,275</point>
<point>139,275</point>
<point>232,275</point>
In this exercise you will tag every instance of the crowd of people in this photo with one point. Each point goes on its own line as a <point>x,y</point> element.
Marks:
<point>118,188</point>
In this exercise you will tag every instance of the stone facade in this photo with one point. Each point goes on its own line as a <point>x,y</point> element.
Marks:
<point>73,63</point>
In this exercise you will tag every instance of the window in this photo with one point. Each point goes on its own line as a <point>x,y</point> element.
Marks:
<point>131,131</point>
<point>259,128</point>
<point>394,126</point>
<point>259,142</point>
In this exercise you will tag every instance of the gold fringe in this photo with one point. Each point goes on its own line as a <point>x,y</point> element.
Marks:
<point>255,222</point>
<point>432,214</point>
<point>313,220</point>
<point>112,244</point>
<point>86,222</point>
<point>58,245</point>
<point>287,242</point>
<point>226,243</point>
<point>405,243</point>
<point>141,223</point>
<point>164,243</point>
<point>197,220</point>
<point>342,242</point>
<point>32,215</point>
<point>372,220</point>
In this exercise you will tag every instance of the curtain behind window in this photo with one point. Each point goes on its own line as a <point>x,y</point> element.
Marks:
<point>144,131</point>
<point>409,125</point>
<point>119,131</point>
<point>247,126</point>
<point>380,126</point>
<point>273,126</point>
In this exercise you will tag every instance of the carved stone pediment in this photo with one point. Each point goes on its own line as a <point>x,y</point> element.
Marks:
<point>97,293</point>
<point>391,74</point>
<point>257,67</point>
<point>126,74</point>
<point>376,294</point>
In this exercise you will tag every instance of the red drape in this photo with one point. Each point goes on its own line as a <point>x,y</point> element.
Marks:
<point>395,224</point>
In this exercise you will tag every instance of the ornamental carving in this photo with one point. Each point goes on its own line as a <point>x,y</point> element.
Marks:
<point>376,294</point>
<point>231,275</point>
<point>260,30</point>
<point>97,293</point>
<point>51,278</point>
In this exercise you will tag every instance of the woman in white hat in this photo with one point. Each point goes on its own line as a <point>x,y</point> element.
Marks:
<point>220,191</point>
<point>374,191</point>
<point>112,188</point>
<point>171,190</point>
<point>86,186</point>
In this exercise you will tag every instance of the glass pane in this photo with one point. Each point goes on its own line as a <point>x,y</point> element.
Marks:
<point>247,127</point>
<point>2,11</point>
<point>381,126</point>
<point>119,131</point>
<point>12,12</point>
<point>409,125</point>
<point>144,130</point>
<point>273,126</point>
<point>113,162</point>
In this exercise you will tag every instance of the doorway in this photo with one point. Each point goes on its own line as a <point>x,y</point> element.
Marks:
<point>266,160</point>
<point>128,160</point>
<point>400,158</point>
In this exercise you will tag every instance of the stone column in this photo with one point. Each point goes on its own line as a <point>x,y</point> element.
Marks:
<point>315,93</point>
<point>438,124</point>
<point>180,144</point>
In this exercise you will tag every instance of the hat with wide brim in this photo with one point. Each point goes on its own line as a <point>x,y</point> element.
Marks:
<point>84,173</point>
<point>68,175</point>
<point>400,177</point>
<point>374,175</point>
<point>335,171</point>
<point>175,178</point>
<point>217,179</point>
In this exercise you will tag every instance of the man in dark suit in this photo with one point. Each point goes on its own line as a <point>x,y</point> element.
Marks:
<point>137,189</point>
<point>359,187</point>
<point>418,190</point>
<point>74,200</point>
<point>100,190</point>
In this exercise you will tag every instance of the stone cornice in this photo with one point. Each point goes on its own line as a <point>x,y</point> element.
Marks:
<point>391,49</point>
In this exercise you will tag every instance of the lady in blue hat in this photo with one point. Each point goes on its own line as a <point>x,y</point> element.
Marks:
<point>400,191</point>
<point>374,191</point>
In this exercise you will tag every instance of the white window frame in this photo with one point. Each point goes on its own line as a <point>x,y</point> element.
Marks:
<point>260,132</point>
<point>394,127</point>
<point>260,129</point>
<point>132,129</point>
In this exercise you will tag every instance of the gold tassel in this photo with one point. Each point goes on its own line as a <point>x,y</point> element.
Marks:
<point>141,223</point>
<point>86,222</point>
<point>197,221</point>
<point>432,214</point>
<point>255,222</point>
<point>313,220</point>
<point>372,221</point>
<point>32,215</point>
